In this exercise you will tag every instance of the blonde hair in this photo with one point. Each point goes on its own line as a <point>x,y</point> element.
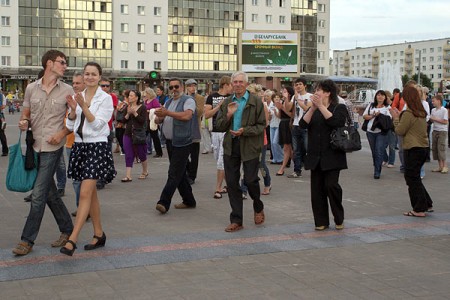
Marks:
<point>150,93</point>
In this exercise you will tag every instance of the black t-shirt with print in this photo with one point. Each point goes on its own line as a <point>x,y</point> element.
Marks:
<point>214,99</point>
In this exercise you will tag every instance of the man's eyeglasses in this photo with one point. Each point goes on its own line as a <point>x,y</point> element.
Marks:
<point>104,85</point>
<point>63,62</point>
<point>171,87</point>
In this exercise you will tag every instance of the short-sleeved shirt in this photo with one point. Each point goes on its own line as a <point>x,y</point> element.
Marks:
<point>115,101</point>
<point>214,100</point>
<point>370,111</point>
<point>440,113</point>
<point>168,121</point>
<point>47,112</point>
<point>298,112</point>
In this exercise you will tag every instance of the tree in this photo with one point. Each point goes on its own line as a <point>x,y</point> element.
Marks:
<point>405,79</point>
<point>424,80</point>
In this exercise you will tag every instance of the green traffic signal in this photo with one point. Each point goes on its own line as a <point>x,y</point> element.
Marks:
<point>154,75</point>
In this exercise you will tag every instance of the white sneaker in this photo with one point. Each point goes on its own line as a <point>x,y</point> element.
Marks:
<point>390,166</point>
<point>3,125</point>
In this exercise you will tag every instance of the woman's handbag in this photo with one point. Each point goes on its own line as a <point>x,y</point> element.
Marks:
<point>366,122</point>
<point>138,135</point>
<point>18,179</point>
<point>120,114</point>
<point>346,138</point>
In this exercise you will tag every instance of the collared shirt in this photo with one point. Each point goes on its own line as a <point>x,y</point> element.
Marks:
<point>237,117</point>
<point>47,112</point>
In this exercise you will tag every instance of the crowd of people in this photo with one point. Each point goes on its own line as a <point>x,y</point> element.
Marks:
<point>239,123</point>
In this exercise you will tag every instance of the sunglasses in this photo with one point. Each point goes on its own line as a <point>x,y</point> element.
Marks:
<point>104,85</point>
<point>62,62</point>
<point>171,87</point>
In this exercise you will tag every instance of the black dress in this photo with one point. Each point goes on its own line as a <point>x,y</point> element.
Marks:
<point>284,129</point>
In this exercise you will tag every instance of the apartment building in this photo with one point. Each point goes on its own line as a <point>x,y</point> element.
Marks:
<point>431,57</point>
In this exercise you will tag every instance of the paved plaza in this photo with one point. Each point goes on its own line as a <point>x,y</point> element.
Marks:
<point>185,254</point>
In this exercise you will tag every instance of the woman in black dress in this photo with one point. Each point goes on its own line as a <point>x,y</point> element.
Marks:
<point>285,136</point>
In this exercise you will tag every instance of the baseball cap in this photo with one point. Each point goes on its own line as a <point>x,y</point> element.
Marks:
<point>191,81</point>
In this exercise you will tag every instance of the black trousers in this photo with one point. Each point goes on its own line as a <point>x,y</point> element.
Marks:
<point>418,195</point>
<point>325,187</point>
<point>156,142</point>
<point>192,164</point>
<point>176,177</point>
<point>119,137</point>
<point>3,141</point>
<point>232,166</point>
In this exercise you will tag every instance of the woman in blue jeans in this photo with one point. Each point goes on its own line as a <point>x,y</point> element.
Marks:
<point>377,139</point>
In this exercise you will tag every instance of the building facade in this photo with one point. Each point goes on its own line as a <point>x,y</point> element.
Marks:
<point>431,57</point>
<point>183,38</point>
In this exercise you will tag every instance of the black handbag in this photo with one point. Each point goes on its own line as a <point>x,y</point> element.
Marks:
<point>120,114</point>
<point>366,122</point>
<point>139,135</point>
<point>345,138</point>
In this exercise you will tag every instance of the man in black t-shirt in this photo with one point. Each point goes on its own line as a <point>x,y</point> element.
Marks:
<point>212,105</point>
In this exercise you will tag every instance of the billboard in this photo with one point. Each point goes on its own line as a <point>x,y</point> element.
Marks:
<point>269,52</point>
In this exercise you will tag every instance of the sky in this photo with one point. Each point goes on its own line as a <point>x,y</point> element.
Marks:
<point>366,23</point>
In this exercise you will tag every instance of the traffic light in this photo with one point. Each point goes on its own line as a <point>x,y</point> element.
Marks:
<point>153,75</point>
<point>287,78</point>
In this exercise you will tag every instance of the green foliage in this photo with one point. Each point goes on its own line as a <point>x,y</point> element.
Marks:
<point>424,80</point>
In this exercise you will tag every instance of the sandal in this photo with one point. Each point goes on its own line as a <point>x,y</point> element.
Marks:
<point>412,213</point>
<point>267,190</point>
<point>233,227</point>
<point>217,195</point>
<point>23,248</point>
<point>224,190</point>
<point>259,217</point>
<point>143,176</point>
<point>126,179</point>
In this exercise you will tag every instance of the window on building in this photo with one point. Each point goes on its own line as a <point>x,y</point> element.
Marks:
<point>6,60</point>
<point>269,19</point>
<point>191,47</point>
<point>124,9</point>
<point>439,75</point>
<point>439,58</point>
<point>321,23</point>
<point>157,47</point>
<point>157,29</point>
<point>191,13</point>
<point>174,47</point>
<point>254,2</point>
<point>439,49</point>
<point>282,3</point>
<point>424,68</point>
<point>175,29</point>
<point>141,10</point>
<point>432,67</point>
<point>269,3</point>
<point>320,70</point>
<point>6,3</point>
<point>124,27</point>
<point>226,49</point>
<point>321,7</point>
<point>124,46</point>
<point>389,54</point>
<point>191,30</point>
<point>310,4</point>
<point>402,53</point>
<point>141,65</point>
<point>254,18</point>
<point>91,24</point>
<point>236,16</point>
<point>141,47</point>
<point>6,21</point>
<point>103,6</point>
<point>424,51</point>
<point>282,19</point>
<point>431,50</point>
<point>320,54</point>
<point>226,15</point>
<point>157,65</point>
<point>431,58</point>
<point>6,41</point>
<point>216,66</point>
<point>424,59</point>
<point>157,11</point>
<point>141,28</point>
<point>320,39</point>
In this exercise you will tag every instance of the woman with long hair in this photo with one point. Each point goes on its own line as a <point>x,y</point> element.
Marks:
<point>135,118</point>
<point>375,135</point>
<point>284,128</point>
<point>91,157</point>
<point>412,126</point>
<point>325,163</point>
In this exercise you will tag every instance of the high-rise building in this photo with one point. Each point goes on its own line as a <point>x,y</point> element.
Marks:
<point>131,38</point>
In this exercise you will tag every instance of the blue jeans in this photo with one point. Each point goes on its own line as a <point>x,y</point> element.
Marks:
<point>75,183</point>
<point>277,151</point>
<point>177,177</point>
<point>148,140</point>
<point>299,142</point>
<point>377,142</point>
<point>263,167</point>
<point>400,153</point>
<point>61,176</point>
<point>391,143</point>
<point>45,192</point>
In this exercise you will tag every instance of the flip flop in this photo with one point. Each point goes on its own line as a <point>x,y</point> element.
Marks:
<point>268,192</point>
<point>224,190</point>
<point>233,227</point>
<point>279,174</point>
<point>143,176</point>
<point>412,214</point>
<point>126,179</point>
<point>217,195</point>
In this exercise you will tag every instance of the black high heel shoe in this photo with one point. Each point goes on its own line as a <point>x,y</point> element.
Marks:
<point>66,251</point>
<point>100,243</point>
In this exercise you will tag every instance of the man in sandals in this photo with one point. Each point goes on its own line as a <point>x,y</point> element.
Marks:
<point>44,109</point>
<point>242,118</point>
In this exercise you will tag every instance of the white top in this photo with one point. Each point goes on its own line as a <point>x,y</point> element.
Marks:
<point>425,105</point>
<point>384,110</point>
<point>274,120</point>
<point>98,130</point>
<point>440,113</point>
<point>298,112</point>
